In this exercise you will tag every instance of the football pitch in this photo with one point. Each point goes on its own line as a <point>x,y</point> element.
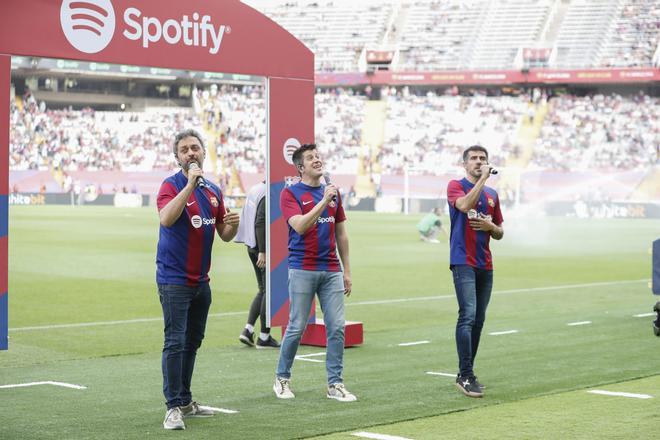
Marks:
<point>83,311</point>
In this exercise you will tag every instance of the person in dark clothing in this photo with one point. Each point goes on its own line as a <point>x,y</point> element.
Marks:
<point>253,234</point>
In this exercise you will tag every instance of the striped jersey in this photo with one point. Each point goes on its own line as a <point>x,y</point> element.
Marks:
<point>184,249</point>
<point>467,245</point>
<point>317,248</point>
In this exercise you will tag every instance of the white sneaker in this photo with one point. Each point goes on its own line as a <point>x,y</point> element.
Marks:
<point>337,391</point>
<point>174,419</point>
<point>282,388</point>
<point>194,409</point>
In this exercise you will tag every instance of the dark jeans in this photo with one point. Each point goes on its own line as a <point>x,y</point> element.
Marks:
<point>185,310</point>
<point>258,307</point>
<point>473,287</point>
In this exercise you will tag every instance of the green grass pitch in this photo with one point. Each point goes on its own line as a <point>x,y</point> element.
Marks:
<point>83,309</point>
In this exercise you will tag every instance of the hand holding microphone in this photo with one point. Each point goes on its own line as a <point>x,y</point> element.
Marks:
<point>195,174</point>
<point>487,169</point>
<point>329,186</point>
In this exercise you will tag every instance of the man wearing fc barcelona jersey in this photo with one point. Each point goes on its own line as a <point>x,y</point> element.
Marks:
<point>316,221</point>
<point>475,214</point>
<point>191,211</point>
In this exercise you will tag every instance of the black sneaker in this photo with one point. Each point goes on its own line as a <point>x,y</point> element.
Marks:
<point>477,383</point>
<point>468,386</point>
<point>656,323</point>
<point>268,343</point>
<point>247,337</point>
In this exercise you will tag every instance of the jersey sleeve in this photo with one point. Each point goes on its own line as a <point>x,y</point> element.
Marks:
<point>454,192</point>
<point>340,215</point>
<point>289,205</point>
<point>497,212</point>
<point>166,193</point>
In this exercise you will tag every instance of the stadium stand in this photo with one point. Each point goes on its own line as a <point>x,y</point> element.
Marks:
<point>439,35</point>
<point>600,132</point>
<point>337,32</point>
<point>426,131</point>
<point>634,39</point>
<point>472,34</point>
<point>429,132</point>
<point>339,116</point>
<point>583,31</point>
<point>373,136</point>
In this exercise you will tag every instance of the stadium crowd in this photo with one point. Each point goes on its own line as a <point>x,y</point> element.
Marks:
<point>608,132</point>
<point>428,132</point>
<point>71,140</point>
<point>236,118</point>
<point>91,140</point>
<point>423,131</point>
<point>636,37</point>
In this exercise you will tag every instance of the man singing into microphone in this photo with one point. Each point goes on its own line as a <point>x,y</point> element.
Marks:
<point>316,220</point>
<point>191,210</point>
<point>475,214</point>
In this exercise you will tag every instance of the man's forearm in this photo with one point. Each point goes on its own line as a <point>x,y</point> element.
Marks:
<point>301,223</point>
<point>469,201</point>
<point>342,247</point>
<point>497,232</point>
<point>172,211</point>
<point>228,233</point>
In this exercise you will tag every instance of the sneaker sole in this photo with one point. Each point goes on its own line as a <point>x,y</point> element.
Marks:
<point>246,341</point>
<point>341,399</point>
<point>467,393</point>
<point>279,396</point>
<point>174,428</point>
<point>266,347</point>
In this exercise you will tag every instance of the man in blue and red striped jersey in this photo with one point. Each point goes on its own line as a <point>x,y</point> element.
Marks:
<point>191,211</point>
<point>316,221</point>
<point>475,214</point>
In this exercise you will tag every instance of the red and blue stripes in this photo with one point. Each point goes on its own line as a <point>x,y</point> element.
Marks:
<point>5,78</point>
<point>468,246</point>
<point>184,249</point>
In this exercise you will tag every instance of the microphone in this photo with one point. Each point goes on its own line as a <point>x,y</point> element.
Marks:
<point>493,171</point>
<point>326,176</point>
<point>201,183</point>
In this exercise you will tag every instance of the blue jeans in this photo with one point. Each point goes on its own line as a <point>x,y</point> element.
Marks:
<point>185,310</point>
<point>473,287</point>
<point>303,285</point>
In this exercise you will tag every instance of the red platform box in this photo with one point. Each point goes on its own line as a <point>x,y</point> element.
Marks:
<point>315,334</point>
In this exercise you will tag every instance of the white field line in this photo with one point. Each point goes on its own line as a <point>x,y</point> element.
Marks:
<point>408,344</point>
<point>499,292</point>
<point>644,315</point>
<point>359,303</point>
<point>579,323</point>
<point>97,323</point>
<point>435,373</point>
<point>303,357</point>
<point>375,436</point>
<point>506,332</point>
<point>620,394</point>
<point>220,410</point>
<point>47,382</point>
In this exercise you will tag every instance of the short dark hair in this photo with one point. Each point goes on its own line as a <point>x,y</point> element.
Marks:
<point>187,133</point>
<point>473,148</point>
<point>297,157</point>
